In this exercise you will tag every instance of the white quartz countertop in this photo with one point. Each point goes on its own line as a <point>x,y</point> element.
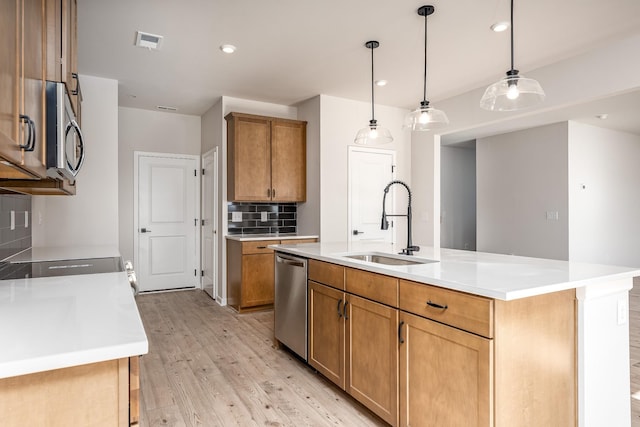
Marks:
<point>504,277</point>
<point>56,253</point>
<point>255,237</point>
<point>58,322</point>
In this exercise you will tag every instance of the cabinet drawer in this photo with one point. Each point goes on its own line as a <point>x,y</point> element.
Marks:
<point>373,286</point>
<point>326,273</point>
<point>468,312</point>
<point>258,247</point>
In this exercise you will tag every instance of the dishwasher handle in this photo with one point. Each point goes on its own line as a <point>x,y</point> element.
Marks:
<point>289,261</point>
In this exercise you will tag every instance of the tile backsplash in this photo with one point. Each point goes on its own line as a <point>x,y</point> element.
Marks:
<point>14,237</point>
<point>278,218</point>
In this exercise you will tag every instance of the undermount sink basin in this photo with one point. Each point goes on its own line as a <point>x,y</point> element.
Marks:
<point>388,259</point>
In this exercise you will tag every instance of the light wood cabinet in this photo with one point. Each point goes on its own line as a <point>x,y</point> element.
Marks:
<point>422,355</point>
<point>104,393</point>
<point>22,76</point>
<point>444,375</point>
<point>34,31</point>
<point>250,273</point>
<point>266,159</point>
<point>353,340</point>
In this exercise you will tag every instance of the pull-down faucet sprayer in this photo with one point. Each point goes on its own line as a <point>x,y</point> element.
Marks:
<point>410,249</point>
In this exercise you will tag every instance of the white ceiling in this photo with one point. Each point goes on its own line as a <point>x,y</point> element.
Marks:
<point>292,50</point>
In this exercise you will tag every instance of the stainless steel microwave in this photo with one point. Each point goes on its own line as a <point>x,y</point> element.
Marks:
<point>65,145</point>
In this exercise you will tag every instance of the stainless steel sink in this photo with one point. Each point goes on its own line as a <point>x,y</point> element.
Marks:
<point>378,258</point>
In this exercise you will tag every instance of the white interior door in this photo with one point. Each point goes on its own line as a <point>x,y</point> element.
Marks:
<point>370,170</point>
<point>209,222</point>
<point>167,226</point>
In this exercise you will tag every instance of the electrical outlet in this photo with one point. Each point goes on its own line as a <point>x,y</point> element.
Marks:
<point>263,216</point>
<point>236,216</point>
<point>552,215</point>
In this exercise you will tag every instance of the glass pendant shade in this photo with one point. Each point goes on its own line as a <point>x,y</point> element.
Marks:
<point>513,92</point>
<point>425,118</point>
<point>373,135</point>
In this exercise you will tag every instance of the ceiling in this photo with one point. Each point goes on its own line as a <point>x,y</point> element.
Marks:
<point>291,50</point>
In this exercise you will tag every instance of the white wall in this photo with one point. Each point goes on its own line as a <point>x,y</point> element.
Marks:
<point>152,131</point>
<point>91,216</point>
<point>309,212</point>
<point>520,177</point>
<point>425,176</point>
<point>340,120</point>
<point>604,196</point>
<point>458,209</point>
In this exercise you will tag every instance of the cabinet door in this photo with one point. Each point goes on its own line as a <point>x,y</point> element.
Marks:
<point>257,280</point>
<point>33,81</point>
<point>326,332</point>
<point>372,346</point>
<point>249,175</point>
<point>9,81</point>
<point>289,161</point>
<point>445,375</point>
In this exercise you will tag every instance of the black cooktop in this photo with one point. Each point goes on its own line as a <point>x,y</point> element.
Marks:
<point>69,267</point>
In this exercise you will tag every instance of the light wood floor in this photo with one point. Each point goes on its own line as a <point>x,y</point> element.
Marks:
<point>209,366</point>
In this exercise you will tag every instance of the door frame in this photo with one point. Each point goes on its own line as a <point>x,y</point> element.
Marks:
<point>136,158</point>
<point>214,221</point>
<point>352,149</point>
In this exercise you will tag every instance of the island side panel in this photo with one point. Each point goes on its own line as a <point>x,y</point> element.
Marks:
<point>536,361</point>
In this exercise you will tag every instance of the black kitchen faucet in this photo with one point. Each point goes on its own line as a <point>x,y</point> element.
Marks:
<point>410,249</point>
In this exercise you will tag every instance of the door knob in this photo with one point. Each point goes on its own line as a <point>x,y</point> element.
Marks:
<point>144,230</point>
<point>356,232</point>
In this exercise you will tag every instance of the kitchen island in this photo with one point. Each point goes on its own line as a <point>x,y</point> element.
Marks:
<point>70,346</point>
<point>468,338</point>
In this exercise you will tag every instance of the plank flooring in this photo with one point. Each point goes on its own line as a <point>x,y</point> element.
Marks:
<point>209,366</point>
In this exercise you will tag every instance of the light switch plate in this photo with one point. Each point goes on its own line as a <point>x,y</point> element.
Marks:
<point>236,216</point>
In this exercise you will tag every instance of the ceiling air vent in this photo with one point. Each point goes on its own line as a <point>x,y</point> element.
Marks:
<point>166,108</point>
<point>147,40</point>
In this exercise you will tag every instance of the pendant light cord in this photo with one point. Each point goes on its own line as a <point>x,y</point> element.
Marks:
<point>372,84</point>
<point>425,60</point>
<point>512,35</point>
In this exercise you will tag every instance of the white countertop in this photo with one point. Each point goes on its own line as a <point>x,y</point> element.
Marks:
<point>58,322</point>
<point>504,277</point>
<point>53,253</point>
<point>274,236</point>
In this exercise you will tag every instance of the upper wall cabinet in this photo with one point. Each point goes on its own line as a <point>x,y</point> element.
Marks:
<point>266,159</point>
<point>39,44</point>
<point>22,89</point>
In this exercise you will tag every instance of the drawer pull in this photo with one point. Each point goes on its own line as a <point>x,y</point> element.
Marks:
<point>339,311</point>
<point>400,333</point>
<point>261,247</point>
<point>438,306</point>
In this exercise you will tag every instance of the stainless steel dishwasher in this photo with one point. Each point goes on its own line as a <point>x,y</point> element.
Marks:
<point>291,302</point>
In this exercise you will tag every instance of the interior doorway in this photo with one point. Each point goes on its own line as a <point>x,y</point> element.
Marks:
<point>370,170</point>
<point>166,221</point>
<point>209,223</point>
<point>458,196</point>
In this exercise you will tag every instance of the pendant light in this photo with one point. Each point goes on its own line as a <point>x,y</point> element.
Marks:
<point>373,134</point>
<point>425,117</point>
<point>513,92</point>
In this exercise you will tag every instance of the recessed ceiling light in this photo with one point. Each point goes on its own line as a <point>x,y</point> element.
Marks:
<point>381,82</point>
<point>499,27</point>
<point>228,48</point>
<point>602,116</point>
